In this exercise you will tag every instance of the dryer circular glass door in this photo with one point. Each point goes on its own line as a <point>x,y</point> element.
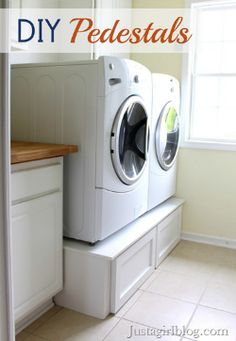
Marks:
<point>167,136</point>
<point>130,140</point>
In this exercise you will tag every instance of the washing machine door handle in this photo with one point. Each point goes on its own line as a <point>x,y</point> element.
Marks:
<point>147,142</point>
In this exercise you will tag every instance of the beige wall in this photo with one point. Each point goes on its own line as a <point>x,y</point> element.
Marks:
<point>161,63</point>
<point>206,179</point>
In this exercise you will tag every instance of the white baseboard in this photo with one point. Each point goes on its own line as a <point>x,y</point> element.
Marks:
<point>22,324</point>
<point>212,240</point>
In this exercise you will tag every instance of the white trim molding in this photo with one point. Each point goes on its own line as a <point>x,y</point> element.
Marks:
<point>7,331</point>
<point>211,240</point>
<point>221,146</point>
<point>6,296</point>
<point>188,85</point>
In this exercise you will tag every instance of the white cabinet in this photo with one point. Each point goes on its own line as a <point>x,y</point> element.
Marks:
<point>98,280</point>
<point>36,234</point>
<point>168,235</point>
<point>131,269</point>
<point>86,286</point>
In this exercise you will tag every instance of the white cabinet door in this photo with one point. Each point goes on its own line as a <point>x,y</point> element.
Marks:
<point>168,234</point>
<point>37,252</point>
<point>131,269</point>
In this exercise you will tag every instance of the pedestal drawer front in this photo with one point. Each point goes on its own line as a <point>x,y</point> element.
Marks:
<point>131,269</point>
<point>33,182</point>
<point>168,235</point>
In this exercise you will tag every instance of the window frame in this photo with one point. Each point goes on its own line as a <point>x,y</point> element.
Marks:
<point>187,93</point>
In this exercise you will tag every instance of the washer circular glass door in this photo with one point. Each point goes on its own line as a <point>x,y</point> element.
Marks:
<point>167,136</point>
<point>130,140</point>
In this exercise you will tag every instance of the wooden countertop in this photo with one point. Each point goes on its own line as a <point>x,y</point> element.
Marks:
<point>32,151</point>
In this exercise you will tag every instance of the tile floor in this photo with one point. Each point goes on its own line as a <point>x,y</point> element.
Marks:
<point>194,287</point>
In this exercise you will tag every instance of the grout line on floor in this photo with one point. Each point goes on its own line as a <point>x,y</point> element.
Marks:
<point>108,333</point>
<point>198,304</point>
<point>171,297</point>
<point>183,274</point>
<point>121,317</point>
<point>148,285</point>
<point>133,302</point>
<point>217,309</point>
<point>142,324</point>
<point>139,323</point>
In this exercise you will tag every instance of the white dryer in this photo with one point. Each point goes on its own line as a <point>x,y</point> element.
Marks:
<point>104,107</point>
<point>164,142</point>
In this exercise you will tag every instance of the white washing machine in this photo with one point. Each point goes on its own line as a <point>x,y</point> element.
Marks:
<point>104,107</point>
<point>164,142</point>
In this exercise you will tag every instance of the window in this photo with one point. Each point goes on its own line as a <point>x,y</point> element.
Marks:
<point>211,81</point>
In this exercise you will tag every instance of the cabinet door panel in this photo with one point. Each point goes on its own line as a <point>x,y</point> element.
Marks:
<point>37,252</point>
<point>168,235</point>
<point>131,269</point>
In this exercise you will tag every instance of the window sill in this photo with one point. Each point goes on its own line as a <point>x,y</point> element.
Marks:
<point>191,144</point>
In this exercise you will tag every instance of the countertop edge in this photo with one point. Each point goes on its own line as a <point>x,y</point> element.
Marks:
<point>22,151</point>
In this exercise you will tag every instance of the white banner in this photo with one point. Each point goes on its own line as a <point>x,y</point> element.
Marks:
<point>113,30</point>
